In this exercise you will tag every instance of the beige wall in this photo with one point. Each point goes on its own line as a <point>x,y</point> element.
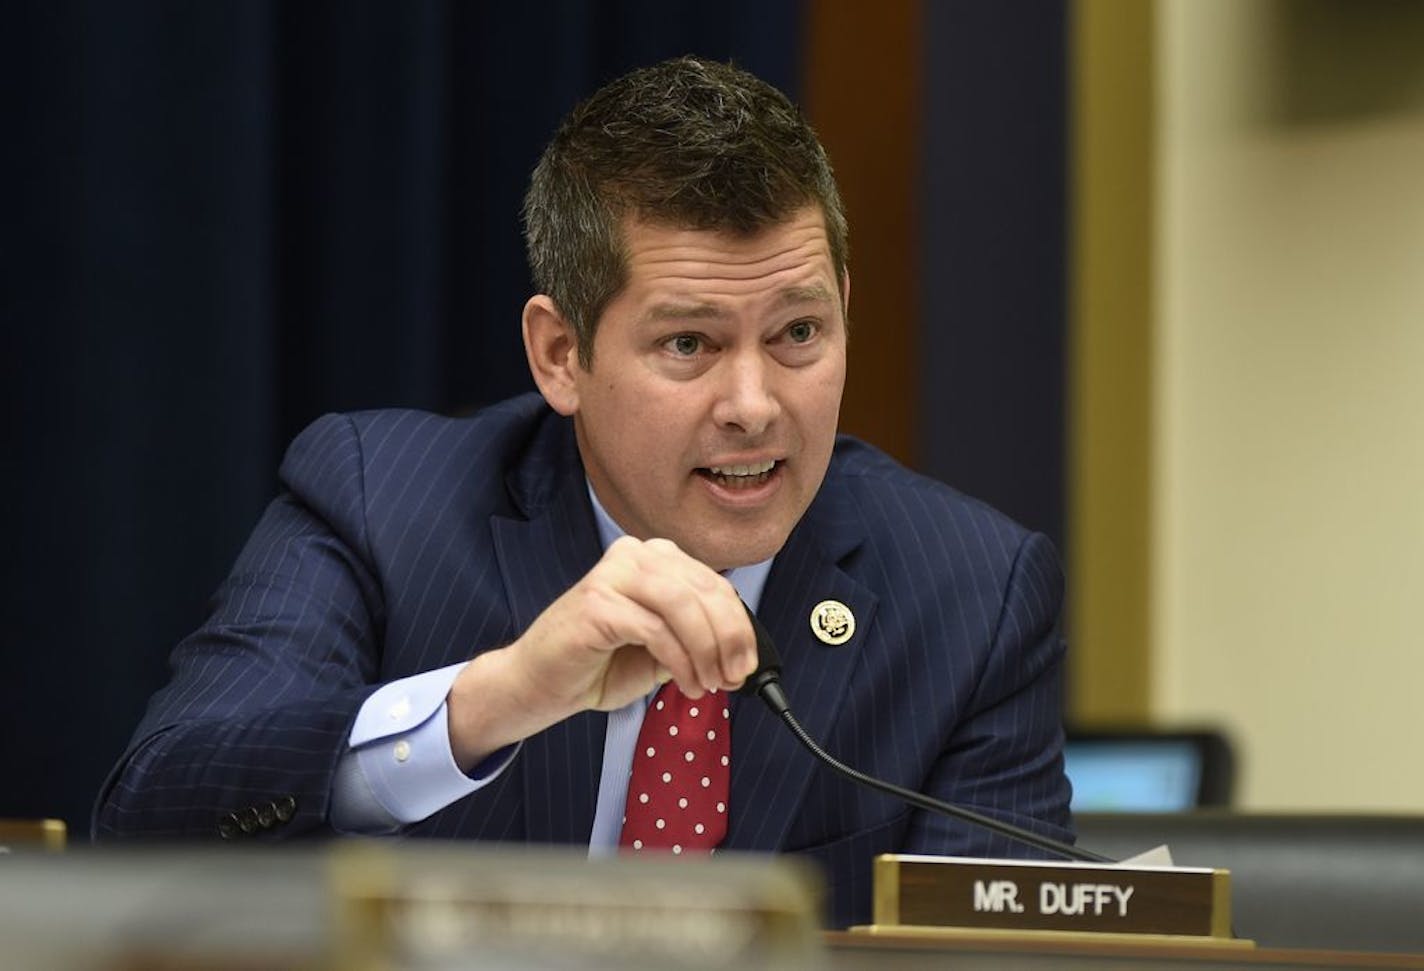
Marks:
<point>1287,524</point>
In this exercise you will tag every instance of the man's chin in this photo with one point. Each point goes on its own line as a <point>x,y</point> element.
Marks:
<point>723,556</point>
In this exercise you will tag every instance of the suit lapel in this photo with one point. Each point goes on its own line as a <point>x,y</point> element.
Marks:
<point>770,768</point>
<point>540,557</point>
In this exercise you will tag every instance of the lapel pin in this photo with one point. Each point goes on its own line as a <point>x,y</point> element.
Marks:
<point>832,622</point>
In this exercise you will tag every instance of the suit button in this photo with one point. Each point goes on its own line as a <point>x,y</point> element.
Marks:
<point>285,808</point>
<point>247,819</point>
<point>227,826</point>
<point>267,816</point>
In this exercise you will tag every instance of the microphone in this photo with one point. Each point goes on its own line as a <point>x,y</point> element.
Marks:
<point>765,683</point>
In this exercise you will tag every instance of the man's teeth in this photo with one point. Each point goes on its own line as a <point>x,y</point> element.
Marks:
<point>756,468</point>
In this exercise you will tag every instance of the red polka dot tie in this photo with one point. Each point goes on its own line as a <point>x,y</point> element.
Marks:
<point>677,793</point>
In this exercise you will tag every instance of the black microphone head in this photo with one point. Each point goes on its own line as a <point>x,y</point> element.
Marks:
<point>768,669</point>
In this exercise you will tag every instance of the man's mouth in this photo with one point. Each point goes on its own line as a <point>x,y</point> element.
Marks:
<point>740,476</point>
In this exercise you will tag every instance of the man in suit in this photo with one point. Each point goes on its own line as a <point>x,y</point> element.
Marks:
<point>496,627</point>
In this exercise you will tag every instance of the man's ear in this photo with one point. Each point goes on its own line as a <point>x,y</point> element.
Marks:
<point>552,349</point>
<point>845,293</point>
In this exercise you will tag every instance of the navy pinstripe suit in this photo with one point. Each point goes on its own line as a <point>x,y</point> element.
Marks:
<point>405,541</point>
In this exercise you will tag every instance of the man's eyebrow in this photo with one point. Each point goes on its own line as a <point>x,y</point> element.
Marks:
<point>683,311</point>
<point>815,293</point>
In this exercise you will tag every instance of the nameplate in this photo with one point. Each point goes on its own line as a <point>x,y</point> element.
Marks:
<point>468,905</point>
<point>932,891</point>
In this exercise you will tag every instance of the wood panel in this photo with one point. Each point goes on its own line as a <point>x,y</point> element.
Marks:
<point>862,94</point>
<point>1110,377</point>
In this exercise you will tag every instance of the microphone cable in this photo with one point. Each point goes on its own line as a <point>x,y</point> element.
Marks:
<point>765,683</point>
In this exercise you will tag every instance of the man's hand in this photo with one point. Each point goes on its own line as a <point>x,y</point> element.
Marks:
<point>646,613</point>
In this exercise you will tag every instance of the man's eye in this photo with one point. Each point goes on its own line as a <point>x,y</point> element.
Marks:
<point>801,331</point>
<point>684,345</point>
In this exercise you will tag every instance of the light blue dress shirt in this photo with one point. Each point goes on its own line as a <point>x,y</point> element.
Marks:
<point>400,768</point>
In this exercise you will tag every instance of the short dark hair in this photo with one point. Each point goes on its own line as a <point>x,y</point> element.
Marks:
<point>686,143</point>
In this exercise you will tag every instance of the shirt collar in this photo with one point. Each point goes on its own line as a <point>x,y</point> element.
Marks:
<point>748,580</point>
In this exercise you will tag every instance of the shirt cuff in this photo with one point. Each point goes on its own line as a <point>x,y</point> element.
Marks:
<point>400,768</point>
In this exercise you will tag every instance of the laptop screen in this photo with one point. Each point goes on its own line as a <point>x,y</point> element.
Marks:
<point>1134,775</point>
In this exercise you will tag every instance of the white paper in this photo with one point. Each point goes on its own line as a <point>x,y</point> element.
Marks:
<point>1157,856</point>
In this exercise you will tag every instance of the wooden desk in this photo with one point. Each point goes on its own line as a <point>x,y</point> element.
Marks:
<point>967,949</point>
<point>141,907</point>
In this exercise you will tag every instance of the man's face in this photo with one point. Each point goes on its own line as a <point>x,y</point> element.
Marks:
<point>709,413</point>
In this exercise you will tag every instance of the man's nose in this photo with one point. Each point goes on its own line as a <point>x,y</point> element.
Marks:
<point>747,401</point>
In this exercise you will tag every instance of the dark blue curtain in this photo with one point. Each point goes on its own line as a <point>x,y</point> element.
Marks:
<point>222,219</point>
<point>993,254</point>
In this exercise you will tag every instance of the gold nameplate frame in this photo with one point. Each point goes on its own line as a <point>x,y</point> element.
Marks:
<point>1012,895</point>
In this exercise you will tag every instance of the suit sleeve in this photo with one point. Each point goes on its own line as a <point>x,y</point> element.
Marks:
<point>243,740</point>
<point>1005,757</point>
